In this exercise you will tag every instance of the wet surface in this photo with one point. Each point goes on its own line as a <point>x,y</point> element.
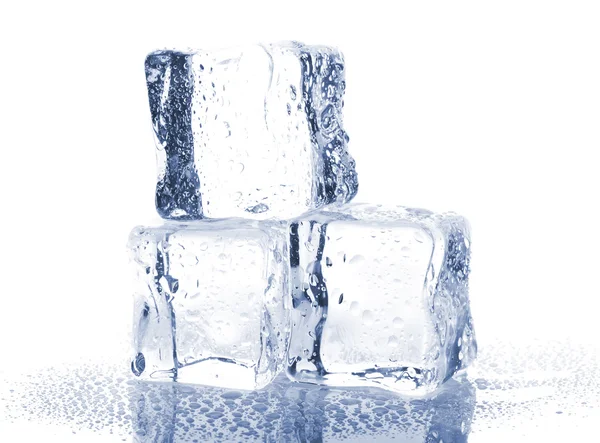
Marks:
<point>512,392</point>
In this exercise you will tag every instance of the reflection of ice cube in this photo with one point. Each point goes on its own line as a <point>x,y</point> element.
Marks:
<point>209,302</point>
<point>153,407</point>
<point>288,412</point>
<point>397,314</point>
<point>253,132</point>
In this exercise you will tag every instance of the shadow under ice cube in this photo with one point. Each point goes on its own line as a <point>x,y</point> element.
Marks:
<point>254,132</point>
<point>380,297</point>
<point>209,302</point>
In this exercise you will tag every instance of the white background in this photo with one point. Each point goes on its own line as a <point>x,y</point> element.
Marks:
<point>490,109</point>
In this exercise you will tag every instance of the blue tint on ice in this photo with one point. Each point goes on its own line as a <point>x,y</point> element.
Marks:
<point>170,89</point>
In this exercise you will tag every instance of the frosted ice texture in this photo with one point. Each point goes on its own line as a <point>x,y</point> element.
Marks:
<point>380,297</point>
<point>209,302</point>
<point>254,132</point>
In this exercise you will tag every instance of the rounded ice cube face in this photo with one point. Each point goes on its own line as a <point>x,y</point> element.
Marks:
<point>253,132</point>
<point>380,297</point>
<point>209,303</point>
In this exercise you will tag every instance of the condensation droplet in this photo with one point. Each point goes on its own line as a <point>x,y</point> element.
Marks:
<point>258,209</point>
<point>397,322</point>
<point>367,317</point>
<point>418,235</point>
<point>357,259</point>
<point>354,308</point>
<point>393,341</point>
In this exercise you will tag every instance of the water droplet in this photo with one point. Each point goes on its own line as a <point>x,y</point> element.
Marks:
<point>393,341</point>
<point>138,364</point>
<point>214,415</point>
<point>341,298</point>
<point>313,280</point>
<point>231,395</point>
<point>398,322</point>
<point>293,93</point>
<point>258,209</point>
<point>354,308</point>
<point>418,235</point>
<point>328,262</point>
<point>329,119</point>
<point>203,246</point>
<point>357,259</point>
<point>367,317</point>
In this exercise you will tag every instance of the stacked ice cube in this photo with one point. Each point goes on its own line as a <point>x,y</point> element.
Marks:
<point>263,265</point>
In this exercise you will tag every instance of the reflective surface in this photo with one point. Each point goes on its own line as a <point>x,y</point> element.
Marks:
<point>543,390</point>
<point>298,413</point>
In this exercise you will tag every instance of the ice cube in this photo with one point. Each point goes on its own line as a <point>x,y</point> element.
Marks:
<point>380,297</point>
<point>253,132</point>
<point>209,302</point>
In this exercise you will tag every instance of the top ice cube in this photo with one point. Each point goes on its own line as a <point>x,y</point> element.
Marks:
<point>254,132</point>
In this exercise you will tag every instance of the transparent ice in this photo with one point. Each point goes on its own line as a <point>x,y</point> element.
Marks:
<point>252,132</point>
<point>380,297</point>
<point>209,302</point>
